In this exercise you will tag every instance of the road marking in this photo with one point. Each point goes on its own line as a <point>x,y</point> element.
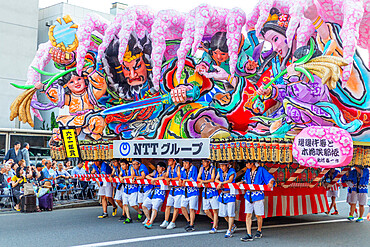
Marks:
<point>56,210</point>
<point>142,239</point>
<point>7,214</point>
<point>89,207</point>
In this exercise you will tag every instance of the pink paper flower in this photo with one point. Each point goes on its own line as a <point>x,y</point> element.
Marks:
<point>345,140</point>
<point>345,150</point>
<point>311,162</point>
<point>312,131</point>
<point>320,132</point>
<point>336,137</point>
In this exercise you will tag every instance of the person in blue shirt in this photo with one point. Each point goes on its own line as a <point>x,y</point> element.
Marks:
<point>140,171</point>
<point>333,191</point>
<point>225,175</point>
<point>189,198</point>
<point>118,195</point>
<point>174,196</point>
<point>206,175</point>
<point>78,170</point>
<point>360,179</point>
<point>254,200</point>
<point>61,177</point>
<point>155,199</point>
<point>129,193</point>
<point>45,171</point>
<point>105,188</point>
<point>349,184</point>
<point>115,166</point>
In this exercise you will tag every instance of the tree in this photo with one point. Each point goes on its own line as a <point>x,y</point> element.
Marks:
<point>53,121</point>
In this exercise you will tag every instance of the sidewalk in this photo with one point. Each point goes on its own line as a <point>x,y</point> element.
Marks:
<point>62,205</point>
<point>76,204</point>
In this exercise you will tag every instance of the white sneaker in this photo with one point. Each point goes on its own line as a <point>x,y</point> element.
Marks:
<point>164,224</point>
<point>171,226</point>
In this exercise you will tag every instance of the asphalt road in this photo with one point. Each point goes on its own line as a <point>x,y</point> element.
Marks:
<point>75,227</point>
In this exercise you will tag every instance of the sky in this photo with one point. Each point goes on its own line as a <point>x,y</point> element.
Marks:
<point>179,5</point>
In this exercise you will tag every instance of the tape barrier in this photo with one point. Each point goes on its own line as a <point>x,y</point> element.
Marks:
<point>232,186</point>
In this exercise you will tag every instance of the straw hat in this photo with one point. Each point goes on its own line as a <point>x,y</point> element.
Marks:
<point>47,184</point>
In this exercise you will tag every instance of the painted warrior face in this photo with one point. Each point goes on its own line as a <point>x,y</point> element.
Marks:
<point>135,72</point>
<point>77,84</point>
<point>278,42</point>
<point>126,79</point>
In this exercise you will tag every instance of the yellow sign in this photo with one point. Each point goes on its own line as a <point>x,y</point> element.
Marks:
<point>70,143</point>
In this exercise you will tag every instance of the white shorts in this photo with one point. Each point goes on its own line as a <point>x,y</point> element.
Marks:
<point>355,197</point>
<point>174,201</point>
<point>108,184</point>
<point>211,203</point>
<point>227,209</point>
<point>119,194</point>
<point>142,196</point>
<point>129,199</point>
<point>258,207</point>
<point>105,191</point>
<point>153,203</point>
<point>192,202</point>
<point>349,197</point>
<point>332,193</point>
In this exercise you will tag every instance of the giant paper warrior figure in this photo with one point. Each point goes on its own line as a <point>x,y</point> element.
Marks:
<point>140,77</point>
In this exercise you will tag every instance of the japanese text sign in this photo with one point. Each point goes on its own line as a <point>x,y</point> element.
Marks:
<point>162,148</point>
<point>70,142</point>
<point>323,147</point>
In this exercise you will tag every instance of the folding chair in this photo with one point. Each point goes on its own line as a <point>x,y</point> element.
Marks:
<point>77,188</point>
<point>59,193</point>
<point>9,200</point>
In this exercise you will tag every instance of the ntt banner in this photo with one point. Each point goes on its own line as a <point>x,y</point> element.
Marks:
<point>162,148</point>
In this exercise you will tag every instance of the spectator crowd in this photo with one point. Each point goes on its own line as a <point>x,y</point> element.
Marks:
<point>20,178</point>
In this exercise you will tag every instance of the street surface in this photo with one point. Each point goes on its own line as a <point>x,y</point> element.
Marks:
<point>81,227</point>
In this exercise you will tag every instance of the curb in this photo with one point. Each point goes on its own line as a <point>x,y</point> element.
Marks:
<point>77,205</point>
<point>82,204</point>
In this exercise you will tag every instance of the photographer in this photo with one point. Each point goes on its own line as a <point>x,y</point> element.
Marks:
<point>32,174</point>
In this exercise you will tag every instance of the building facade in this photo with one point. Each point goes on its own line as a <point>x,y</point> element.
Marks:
<point>23,27</point>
